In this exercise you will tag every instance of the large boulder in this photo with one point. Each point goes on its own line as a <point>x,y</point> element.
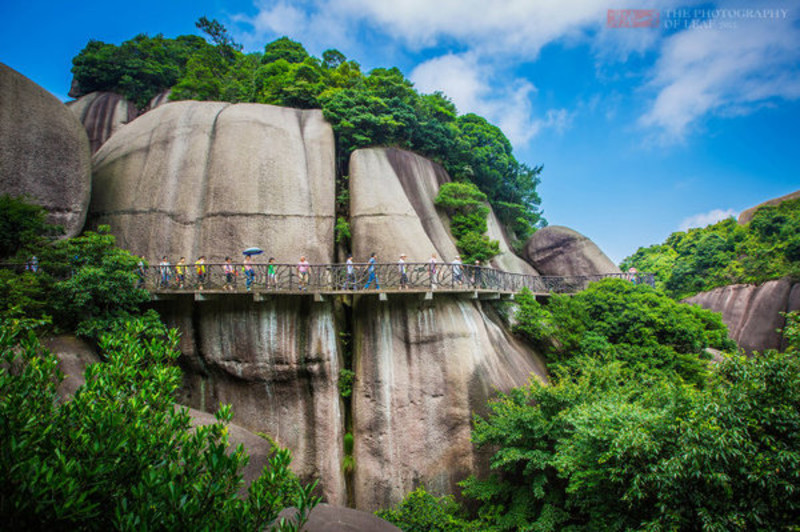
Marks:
<point>560,251</point>
<point>327,518</point>
<point>277,364</point>
<point>44,152</point>
<point>423,369</point>
<point>209,178</point>
<point>753,312</point>
<point>102,113</point>
<point>392,211</point>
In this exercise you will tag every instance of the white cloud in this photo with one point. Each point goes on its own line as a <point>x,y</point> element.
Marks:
<point>699,72</point>
<point>706,218</point>
<point>473,87</point>
<point>723,71</point>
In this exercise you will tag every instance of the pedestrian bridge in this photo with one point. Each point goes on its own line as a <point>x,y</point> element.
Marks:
<point>262,280</point>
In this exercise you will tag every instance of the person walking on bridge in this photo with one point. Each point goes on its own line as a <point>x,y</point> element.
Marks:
<point>432,268</point>
<point>272,277</point>
<point>373,276</point>
<point>249,273</point>
<point>402,269</point>
<point>163,268</point>
<point>180,271</point>
<point>302,272</point>
<point>350,273</point>
<point>229,271</point>
<point>200,270</point>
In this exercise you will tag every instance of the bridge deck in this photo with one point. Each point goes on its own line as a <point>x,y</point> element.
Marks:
<point>261,280</point>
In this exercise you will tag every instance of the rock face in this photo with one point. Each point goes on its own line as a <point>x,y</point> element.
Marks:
<point>422,367</point>
<point>392,211</point>
<point>44,153</point>
<point>557,250</point>
<point>507,260</point>
<point>203,178</point>
<point>102,113</point>
<point>748,214</point>
<point>277,364</point>
<point>391,206</point>
<point>752,313</point>
<point>422,370</point>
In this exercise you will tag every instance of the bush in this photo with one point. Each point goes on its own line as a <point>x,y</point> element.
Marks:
<point>119,454</point>
<point>599,450</point>
<point>422,512</point>
<point>616,320</point>
<point>468,215</point>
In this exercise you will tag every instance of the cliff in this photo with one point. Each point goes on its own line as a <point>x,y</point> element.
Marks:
<point>753,312</point>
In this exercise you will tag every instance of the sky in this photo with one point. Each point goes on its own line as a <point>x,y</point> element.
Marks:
<point>648,116</point>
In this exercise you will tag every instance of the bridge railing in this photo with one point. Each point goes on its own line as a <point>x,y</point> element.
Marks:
<point>417,276</point>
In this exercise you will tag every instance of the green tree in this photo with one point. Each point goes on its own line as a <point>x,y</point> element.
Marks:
<point>617,320</point>
<point>90,283</point>
<point>284,49</point>
<point>726,252</point>
<point>603,449</point>
<point>22,226</point>
<point>119,454</point>
<point>422,512</point>
<point>468,212</point>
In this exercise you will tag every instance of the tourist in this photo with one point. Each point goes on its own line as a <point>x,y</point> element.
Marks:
<point>402,268</point>
<point>302,272</point>
<point>180,272</point>
<point>272,277</point>
<point>458,274</point>
<point>200,269</point>
<point>163,268</point>
<point>432,270</point>
<point>476,274</point>
<point>350,273</point>
<point>249,272</point>
<point>373,275</point>
<point>229,270</point>
<point>141,272</point>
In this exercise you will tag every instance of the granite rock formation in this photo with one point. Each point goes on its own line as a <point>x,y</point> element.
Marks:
<point>277,364</point>
<point>753,313</point>
<point>422,370</point>
<point>422,367</point>
<point>557,250</point>
<point>392,211</point>
<point>208,178</point>
<point>102,113</point>
<point>44,153</point>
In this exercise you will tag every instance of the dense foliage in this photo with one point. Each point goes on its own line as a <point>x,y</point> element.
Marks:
<point>83,284</point>
<point>616,320</point>
<point>468,215</point>
<point>380,108</point>
<point>422,512</point>
<point>726,253</point>
<point>119,455</point>
<point>605,451</point>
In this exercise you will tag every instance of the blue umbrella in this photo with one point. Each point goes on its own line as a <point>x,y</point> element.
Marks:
<point>252,251</point>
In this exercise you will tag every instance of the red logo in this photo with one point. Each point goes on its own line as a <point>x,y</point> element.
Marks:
<point>633,18</point>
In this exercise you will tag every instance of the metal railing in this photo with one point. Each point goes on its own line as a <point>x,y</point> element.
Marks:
<point>416,276</point>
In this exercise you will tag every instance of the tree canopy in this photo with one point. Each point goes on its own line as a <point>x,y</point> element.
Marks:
<point>379,108</point>
<point>692,261</point>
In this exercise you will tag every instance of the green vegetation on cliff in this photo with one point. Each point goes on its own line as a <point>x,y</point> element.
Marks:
<point>379,108</point>
<point>117,455</point>
<point>726,253</point>
<point>637,429</point>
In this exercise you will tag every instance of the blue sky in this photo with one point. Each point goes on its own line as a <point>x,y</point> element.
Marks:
<point>642,131</point>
